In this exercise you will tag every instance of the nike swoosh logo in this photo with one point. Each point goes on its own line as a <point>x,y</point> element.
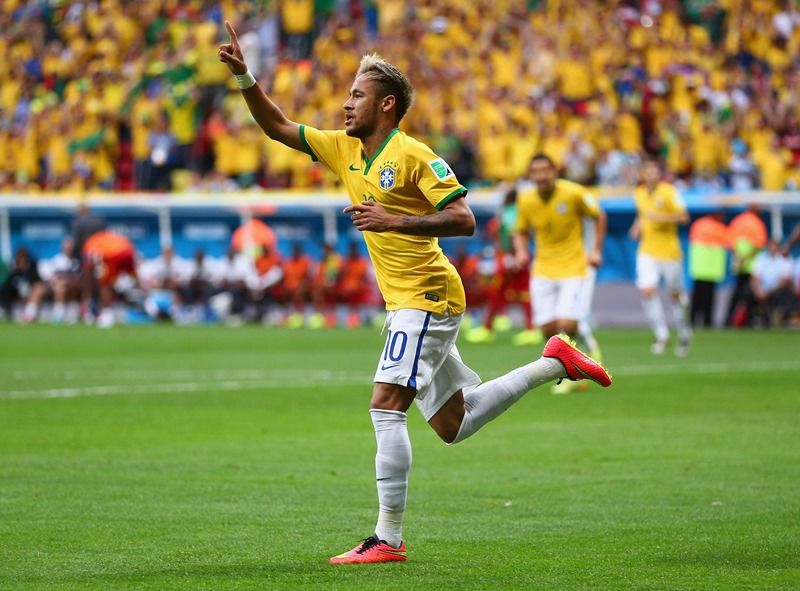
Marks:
<point>393,552</point>
<point>354,169</point>
<point>385,367</point>
<point>583,373</point>
<point>580,370</point>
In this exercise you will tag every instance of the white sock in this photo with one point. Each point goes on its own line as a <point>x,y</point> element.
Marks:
<point>587,336</point>
<point>680,314</point>
<point>655,315</point>
<point>490,399</point>
<point>392,465</point>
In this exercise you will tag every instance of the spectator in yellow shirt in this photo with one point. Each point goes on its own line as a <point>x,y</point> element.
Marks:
<point>575,79</point>
<point>145,111</point>
<point>773,166</point>
<point>297,23</point>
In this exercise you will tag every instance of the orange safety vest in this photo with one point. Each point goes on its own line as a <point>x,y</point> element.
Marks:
<point>748,226</point>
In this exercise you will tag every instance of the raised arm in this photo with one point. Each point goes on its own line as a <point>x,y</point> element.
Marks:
<point>454,219</point>
<point>266,113</point>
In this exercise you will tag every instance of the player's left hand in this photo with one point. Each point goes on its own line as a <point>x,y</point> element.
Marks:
<point>369,216</point>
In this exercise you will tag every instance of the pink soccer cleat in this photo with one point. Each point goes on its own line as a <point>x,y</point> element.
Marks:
<point>372,550</point>
<point>578,365</point>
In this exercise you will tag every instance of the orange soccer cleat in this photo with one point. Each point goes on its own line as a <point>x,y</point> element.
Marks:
<point>372,550</point>
<point>579,366</point>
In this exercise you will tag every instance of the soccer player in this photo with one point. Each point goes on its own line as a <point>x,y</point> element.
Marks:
<point>555,210</point>
<point>403,196</point>
<point>659,212</point>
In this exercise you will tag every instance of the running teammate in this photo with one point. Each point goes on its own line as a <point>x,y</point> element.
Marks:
<point>659,212</point>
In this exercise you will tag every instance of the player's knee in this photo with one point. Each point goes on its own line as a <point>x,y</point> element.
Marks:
<point>448,432</point>
<point>648,292</point>
<point>446,424</point>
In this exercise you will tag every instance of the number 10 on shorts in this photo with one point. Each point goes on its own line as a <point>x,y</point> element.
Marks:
<point>395,347</point>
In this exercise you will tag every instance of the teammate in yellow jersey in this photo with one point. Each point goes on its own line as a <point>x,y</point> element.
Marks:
<point>555,211</point>
<point>659,212</point>
<point>403,196</point>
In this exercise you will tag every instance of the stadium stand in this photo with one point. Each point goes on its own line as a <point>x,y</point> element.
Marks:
<point>129,95</point>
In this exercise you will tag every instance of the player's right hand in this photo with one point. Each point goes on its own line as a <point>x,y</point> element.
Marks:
<point>520,262</point>
<point>231,54</point>
<point>595,258</point>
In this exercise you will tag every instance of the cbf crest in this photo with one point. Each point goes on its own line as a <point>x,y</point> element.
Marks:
<point>387,176</point>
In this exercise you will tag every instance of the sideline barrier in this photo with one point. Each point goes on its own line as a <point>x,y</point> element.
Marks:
<point>188,222</point>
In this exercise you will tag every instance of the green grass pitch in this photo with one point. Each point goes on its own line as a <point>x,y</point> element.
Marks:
<point>215,458</point>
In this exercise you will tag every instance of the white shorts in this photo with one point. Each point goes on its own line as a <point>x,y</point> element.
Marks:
<point>556,299</point>
<point>650,271</point>
<point>420,353</point>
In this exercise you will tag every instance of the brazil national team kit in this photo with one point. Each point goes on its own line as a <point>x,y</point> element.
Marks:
<point>406,178</point>
<point>424,295</point>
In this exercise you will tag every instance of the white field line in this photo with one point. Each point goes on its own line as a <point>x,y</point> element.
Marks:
<point>176,374</point>
<point>234,380</point>
<point>708,367</point>
<point>217,385</point>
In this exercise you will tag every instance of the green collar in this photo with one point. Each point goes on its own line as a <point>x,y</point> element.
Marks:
<point>369,161</point>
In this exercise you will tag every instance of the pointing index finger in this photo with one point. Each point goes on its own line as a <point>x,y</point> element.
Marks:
<point>232,33</point>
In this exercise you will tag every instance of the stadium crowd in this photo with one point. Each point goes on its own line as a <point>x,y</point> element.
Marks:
<point>106,94</point>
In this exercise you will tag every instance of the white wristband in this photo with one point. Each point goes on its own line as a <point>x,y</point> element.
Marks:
<point>245,81</point>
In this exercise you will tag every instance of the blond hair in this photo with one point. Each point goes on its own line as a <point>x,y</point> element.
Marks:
<point>391,80</point>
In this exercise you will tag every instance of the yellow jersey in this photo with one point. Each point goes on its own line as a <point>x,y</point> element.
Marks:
<point>576,79</point>
<point>774,169</point>
<point>659,239</point>
<point>297,16</point>
<point>406,178</point>
<point>558,228</point>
